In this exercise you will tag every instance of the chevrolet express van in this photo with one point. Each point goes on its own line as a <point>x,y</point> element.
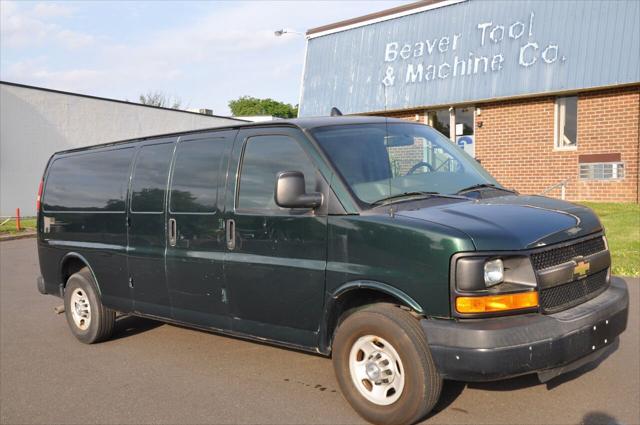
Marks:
<point>375,241</point>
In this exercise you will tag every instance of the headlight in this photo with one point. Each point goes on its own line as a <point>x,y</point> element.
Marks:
<point>493,272</point>
<point>493,282</point>
<point>477,273</point>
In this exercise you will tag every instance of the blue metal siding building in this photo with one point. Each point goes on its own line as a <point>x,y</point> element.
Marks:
<point>546,94</point>
<point>454,52</point>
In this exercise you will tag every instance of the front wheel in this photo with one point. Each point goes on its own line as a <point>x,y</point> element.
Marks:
<point>88,319</point>
<point>384,366</point>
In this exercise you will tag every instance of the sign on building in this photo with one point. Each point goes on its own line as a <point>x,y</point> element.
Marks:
<point>470,51</point>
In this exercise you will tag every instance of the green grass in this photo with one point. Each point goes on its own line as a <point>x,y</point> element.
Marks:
<point>622,224</point>
<point>10,226</point>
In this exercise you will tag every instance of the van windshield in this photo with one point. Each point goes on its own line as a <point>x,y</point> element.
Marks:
<point>379,161</point>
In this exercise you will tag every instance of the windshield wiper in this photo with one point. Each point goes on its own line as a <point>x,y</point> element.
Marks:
<point>483,186</point>
<point>399,196</point>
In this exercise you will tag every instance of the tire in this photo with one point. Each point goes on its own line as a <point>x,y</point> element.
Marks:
<point>88,319</point>
<point>375,335</point>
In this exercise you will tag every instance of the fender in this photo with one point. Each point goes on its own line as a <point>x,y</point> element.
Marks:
<point>324,346</point>
<point>377,286</point>
<point>80,257</point>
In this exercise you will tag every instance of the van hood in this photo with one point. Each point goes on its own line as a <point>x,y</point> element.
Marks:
<point>511,222</point>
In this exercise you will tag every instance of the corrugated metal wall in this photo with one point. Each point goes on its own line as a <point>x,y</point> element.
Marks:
<point>36,123</point>
<point>585,44</point>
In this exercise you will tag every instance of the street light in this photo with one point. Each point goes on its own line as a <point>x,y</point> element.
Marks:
<point>283,31</point>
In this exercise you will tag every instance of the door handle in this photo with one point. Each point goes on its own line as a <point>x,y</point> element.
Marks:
<point>172,232</point>
<point>231,234</point>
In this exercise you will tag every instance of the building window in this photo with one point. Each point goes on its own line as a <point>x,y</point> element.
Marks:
<point>566,123</point>
<point>464,121</point>
<point>602,171</point>
<point>441,121</point>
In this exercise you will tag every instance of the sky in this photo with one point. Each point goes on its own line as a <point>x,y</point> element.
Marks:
<point>204,53</point>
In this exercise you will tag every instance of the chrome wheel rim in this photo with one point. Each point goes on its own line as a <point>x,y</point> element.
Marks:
<point>376,370</point>
<point>80,309</point>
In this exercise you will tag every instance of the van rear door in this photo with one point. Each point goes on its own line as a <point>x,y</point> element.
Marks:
<point>84,215</point>
<point>195,228</point>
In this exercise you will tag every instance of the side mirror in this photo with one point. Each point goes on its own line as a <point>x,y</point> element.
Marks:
<point>290,192</point>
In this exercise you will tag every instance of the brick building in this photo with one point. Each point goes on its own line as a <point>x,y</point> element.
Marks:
<point>539,97</point>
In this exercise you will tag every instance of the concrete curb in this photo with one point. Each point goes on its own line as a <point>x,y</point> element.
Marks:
<point>25,235</point>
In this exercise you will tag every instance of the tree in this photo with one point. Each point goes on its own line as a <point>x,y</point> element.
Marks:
<point>247,105</point>
<point>158,98</point>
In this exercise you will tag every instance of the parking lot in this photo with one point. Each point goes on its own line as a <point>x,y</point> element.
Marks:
<point>157,373</point>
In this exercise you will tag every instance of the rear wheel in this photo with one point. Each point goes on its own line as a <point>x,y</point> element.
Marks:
<point>88,319</point>
<point>384,366</point>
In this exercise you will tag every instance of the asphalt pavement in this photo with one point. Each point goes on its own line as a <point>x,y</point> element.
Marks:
<point>157,373</point>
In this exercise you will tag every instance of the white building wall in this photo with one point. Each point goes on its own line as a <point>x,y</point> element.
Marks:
<point>36,123</point>
<point>258,118</point>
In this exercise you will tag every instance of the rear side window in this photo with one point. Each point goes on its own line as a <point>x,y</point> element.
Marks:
<point>149,181</point>
<point>95,181</point>
<point>194,186</point>
<point>264,157</point>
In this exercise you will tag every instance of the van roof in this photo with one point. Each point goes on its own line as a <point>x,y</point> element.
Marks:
<point>302,123</point>
<point>313,122</point>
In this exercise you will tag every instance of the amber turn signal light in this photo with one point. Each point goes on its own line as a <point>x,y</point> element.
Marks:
<point>493,303</point>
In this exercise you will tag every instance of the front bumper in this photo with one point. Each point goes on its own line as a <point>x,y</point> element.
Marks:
<point>503,347</point>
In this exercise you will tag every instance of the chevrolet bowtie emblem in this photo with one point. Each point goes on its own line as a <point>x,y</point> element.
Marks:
<point>581,268</point>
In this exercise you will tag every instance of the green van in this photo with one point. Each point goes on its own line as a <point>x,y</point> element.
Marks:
<point>375,241</point>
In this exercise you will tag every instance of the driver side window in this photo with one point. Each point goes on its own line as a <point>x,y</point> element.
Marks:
<point>264,157</point>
